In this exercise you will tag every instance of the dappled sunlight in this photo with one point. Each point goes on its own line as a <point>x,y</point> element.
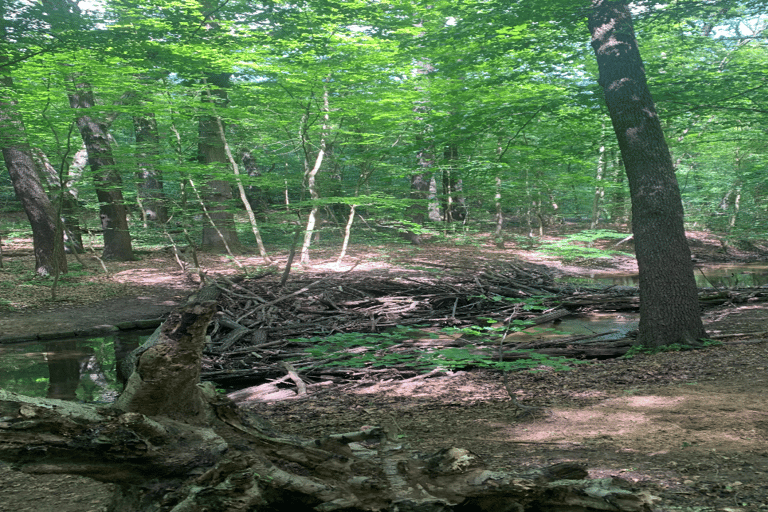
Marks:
<point>150,277</point>
<point>444,387</point>
<point>588,423</point>
<point>649,402</point>
<point>652,424</point>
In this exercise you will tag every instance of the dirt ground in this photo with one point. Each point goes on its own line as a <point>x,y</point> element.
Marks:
<point>691,428</point>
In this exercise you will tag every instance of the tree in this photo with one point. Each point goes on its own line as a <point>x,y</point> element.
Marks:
<point>65,18</point>
<point>149,177</point>
<point>220,234</point>
<point>46,238</point>
<point>106,179</point>
<point>669,305</point>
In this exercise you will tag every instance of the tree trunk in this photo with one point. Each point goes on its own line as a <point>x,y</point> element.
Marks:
<point>150,177</point>
<point>222,236</point>
<point>175,445</point>
<point>243,196</point>
<point>498,234</point>
<point>602,165</point>
<point>669,306</point>
<point>47,240</point>
<point>310,176</point>
<point>106,179</point>
<point>64,199</point>
<point>619,202</point>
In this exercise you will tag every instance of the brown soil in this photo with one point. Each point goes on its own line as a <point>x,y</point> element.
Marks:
<point>689,427</point>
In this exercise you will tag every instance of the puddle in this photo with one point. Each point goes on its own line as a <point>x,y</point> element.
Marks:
<point>611,326</point>
<point>82,369</point>
<point>726,276</point>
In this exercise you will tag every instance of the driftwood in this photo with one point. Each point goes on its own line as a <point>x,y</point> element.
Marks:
<point>173,444</point>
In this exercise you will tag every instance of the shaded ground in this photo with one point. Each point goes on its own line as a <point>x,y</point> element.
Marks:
<point>690,427</point>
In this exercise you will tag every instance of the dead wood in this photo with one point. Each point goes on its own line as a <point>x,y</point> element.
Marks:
<point>173,444</point>
<point>270,316</point>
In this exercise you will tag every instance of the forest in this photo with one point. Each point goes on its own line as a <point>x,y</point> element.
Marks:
<point>355,119</point>
<point>446,136</point>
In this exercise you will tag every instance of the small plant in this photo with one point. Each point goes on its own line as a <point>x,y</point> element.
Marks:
<point>580,246</point>
<point>6,305</point>
<point>381,350</point>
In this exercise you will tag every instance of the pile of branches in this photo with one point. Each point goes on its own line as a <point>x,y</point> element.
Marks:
<point>377,300</point>
<point>261,316</point>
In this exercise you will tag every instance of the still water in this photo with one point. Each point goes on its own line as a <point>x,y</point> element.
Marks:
<point>83,369</point>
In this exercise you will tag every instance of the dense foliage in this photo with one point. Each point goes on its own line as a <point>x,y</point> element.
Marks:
<point>423,115</point>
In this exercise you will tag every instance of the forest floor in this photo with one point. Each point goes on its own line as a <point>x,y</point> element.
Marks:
<point>690,428</point>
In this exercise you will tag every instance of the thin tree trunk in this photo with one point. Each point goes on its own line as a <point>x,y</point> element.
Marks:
<point>311,176</point>
<point>735,211</point>
<point>312,217</point>
<point>434,204</point>
<point>243,196</point>
<point>599,188</point>
<point>47,240</point>
<point>669,305</point>
<point>498,236</point>
<point>347,234</point>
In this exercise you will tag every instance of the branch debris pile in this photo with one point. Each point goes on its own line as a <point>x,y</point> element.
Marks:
<point>260,320</point>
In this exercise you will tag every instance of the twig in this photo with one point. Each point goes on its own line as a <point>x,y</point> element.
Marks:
<point>297,292</point>
<point>301,387</point>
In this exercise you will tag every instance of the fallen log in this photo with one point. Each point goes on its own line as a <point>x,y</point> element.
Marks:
<point>174,444</point>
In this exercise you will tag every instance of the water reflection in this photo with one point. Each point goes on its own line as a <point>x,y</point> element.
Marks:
<point>84,369</point>
<point>65,360</point>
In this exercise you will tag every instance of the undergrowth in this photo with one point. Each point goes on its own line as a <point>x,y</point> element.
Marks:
<point>421,350</point>
<point>580,246</point>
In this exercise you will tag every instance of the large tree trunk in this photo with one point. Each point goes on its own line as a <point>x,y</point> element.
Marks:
<point>106,179</point>
<point>47,241</point>
<point>669,306</point>
<point>218,197</point>
<point>175,445</point>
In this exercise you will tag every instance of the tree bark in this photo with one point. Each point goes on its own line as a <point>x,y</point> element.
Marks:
<point>669,307</point>
<point>175,445</point>
<point>64,200</point>
<point>106,179</point>
<point>310,176</point>
<point>218,191</point>
<point>47,240</point>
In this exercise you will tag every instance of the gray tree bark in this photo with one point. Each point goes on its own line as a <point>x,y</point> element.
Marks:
<point>47,240</point>
<point>106,179</point>
<point>217,194</point>
<point>669,306</point>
